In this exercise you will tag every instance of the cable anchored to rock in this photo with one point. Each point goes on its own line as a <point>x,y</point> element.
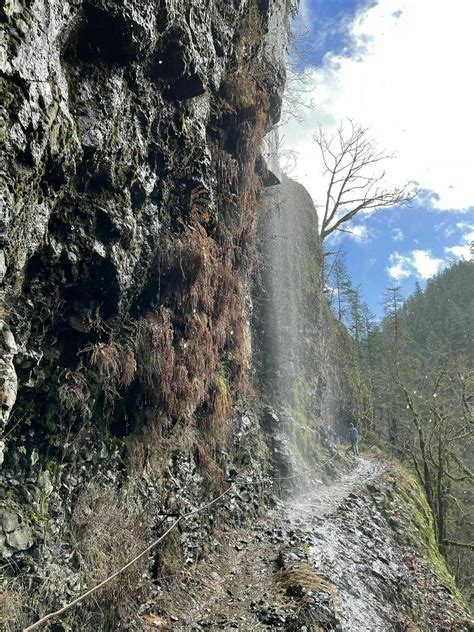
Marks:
<point>94,589</point>
<point>155,543</point>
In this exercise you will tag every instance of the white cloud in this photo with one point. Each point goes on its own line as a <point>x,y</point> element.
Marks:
<point>464,226</point>
<point>400,268</point>
<point>462,250</point>
<point>408,83</point>
<point>420,263</point>
<point>397,234</point>
<point>358,233</point>
<point>425,264</point>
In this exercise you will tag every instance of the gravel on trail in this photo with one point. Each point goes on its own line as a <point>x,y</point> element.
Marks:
<point>325,560</point>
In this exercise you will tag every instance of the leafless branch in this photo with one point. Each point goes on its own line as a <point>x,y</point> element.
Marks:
<point>349,158</point>
<point>464,545</point>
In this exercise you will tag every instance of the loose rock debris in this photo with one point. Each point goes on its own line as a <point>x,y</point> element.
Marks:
<point>326,561</point>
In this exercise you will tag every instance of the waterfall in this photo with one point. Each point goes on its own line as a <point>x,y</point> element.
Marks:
<point>296,334</point>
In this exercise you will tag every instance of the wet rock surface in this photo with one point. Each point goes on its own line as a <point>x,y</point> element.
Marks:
<point>132,174</point>
<point>328,560</point>
<point>131,137</point>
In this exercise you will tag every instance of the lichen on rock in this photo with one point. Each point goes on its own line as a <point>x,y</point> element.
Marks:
<point>132,133</point>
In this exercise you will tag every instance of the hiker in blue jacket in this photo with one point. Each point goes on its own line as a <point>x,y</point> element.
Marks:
<point>354,437</point>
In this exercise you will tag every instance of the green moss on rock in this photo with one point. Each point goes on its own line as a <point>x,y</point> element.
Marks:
<point>406,508</point>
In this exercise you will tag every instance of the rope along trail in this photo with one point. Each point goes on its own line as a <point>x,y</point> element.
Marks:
<point>94,589</point>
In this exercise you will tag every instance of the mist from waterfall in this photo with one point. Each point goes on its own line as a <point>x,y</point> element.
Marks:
<point>287,276</point>
<point>299,336</point>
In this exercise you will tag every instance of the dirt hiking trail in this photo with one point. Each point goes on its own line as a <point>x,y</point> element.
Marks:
<point>323,561</point>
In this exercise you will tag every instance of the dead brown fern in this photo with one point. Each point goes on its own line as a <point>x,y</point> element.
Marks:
<point>155,355</point>
<point>108,532</point>
<point>114,364</point>
<point>128,363</point>
<point>74,393</point>
<point>192,356</point>
<point>212,473</point>
<point>105,358</point>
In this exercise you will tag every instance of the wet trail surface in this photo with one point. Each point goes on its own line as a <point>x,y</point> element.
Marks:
<point>340,543</point>
<point>341,557</point>
<point>239,591</point>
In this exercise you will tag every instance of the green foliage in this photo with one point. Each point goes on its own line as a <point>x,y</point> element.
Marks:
<point>415,521</point>
<point>418,367</point>
<point>441,319</point>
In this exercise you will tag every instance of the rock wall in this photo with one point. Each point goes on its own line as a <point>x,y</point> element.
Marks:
<point>132,176</point>
<point>131,172</point>
<point>130,145</point>
<point>303,353</point>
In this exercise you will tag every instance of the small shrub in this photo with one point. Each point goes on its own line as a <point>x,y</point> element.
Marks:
<point>108,533</point>
<point>11,606</point>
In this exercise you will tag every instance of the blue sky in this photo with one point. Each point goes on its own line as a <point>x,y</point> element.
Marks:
<point>400,247</point>
<point>381,63</point>
<point>329,22</point>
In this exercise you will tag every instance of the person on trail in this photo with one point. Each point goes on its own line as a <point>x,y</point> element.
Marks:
<point>354,437</point>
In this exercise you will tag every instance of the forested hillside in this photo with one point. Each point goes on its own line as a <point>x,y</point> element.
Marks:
<point>418,366</point>
<point>440,320</point>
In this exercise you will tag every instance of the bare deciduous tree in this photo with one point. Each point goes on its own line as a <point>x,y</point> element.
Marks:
<point>443,422</point>
<point>351,160</point>
<point>300,62</point>
<point>297,97</point>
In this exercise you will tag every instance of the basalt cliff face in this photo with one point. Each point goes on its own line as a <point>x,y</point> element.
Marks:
<point>131,141</point>
<point>152,344</point>
<point>132,170</point>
